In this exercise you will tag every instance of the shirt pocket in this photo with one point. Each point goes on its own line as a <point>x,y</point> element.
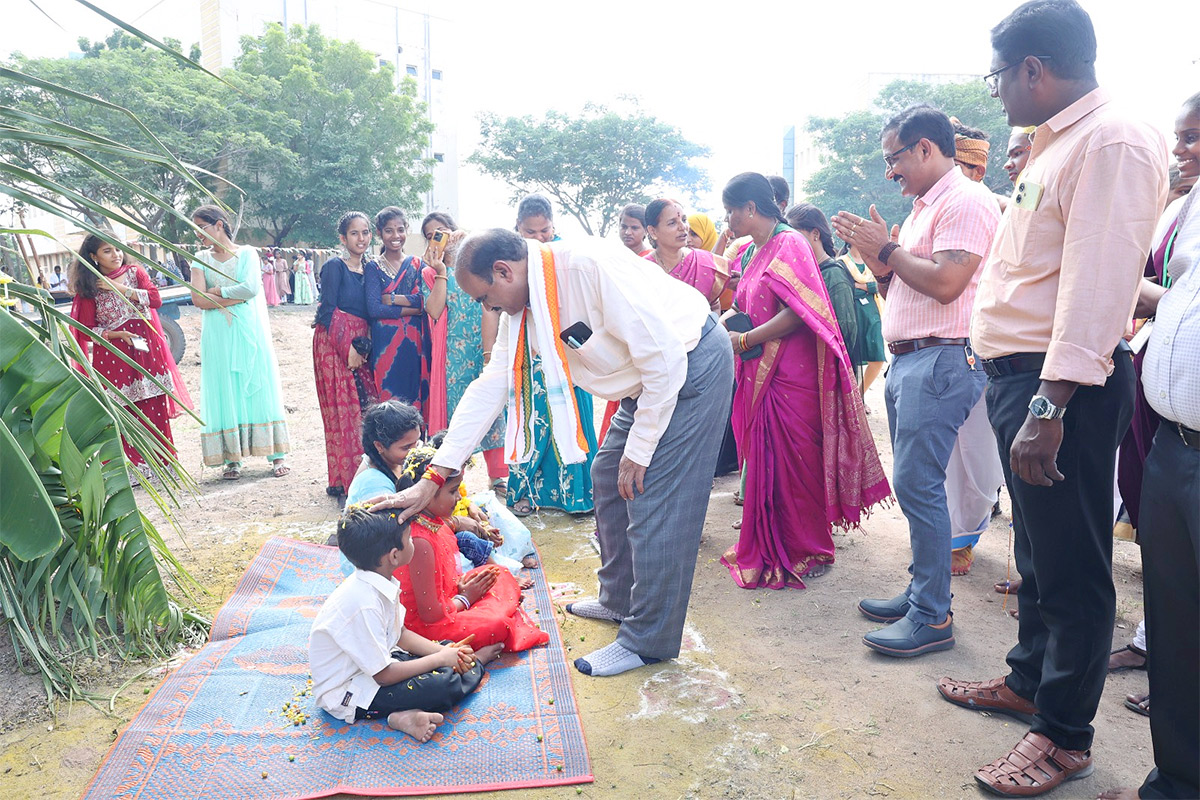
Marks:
<point>602,354</point>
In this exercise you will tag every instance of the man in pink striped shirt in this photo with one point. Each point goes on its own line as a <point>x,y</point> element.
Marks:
<point>928,269</point>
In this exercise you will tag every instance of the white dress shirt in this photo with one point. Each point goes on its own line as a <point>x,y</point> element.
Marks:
<point>643,323</point>
<point>352,640</point>
<point>1171,369</point>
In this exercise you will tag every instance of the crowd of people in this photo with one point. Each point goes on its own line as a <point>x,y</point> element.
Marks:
<point>1018,355</point>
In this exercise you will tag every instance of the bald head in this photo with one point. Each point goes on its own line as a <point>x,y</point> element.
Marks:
<point>491,266</point>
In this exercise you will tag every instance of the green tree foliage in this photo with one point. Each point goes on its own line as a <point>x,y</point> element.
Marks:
<point>84,574</point>
<point>308,127</point>
<point>592,164</point>
<point>852,175</point>
<point>347,137</point>
<point>193,115</point>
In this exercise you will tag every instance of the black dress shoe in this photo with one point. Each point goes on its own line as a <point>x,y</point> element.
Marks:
<point>885,610</point>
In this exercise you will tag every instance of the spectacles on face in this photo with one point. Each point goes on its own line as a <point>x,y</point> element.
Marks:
<point>992,79</point>
<point>891,158</point>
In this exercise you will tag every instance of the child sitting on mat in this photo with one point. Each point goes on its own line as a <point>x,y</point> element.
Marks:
<point>356,672</point>
<point>442,604</point>
<point>389,431</point>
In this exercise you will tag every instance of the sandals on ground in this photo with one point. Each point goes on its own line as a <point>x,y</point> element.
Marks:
<point>280,469</point>
<point>1138,703</point>
<point>1118,662</point>
<point>521,508</point>
<point>232,472</point>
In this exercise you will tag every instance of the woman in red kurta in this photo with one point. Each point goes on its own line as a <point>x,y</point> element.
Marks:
<point>121,309</point>
<point>440,603</point>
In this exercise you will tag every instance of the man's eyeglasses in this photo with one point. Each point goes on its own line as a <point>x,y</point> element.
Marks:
<point>890,159</point>
<point>992,79</point>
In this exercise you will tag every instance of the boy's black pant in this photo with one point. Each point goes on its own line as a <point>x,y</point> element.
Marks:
<point>439,690</point>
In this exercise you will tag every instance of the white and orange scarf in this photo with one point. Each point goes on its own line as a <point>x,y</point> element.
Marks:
<point>566,429</point>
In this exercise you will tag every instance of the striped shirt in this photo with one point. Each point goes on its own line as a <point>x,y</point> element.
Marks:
<point>955,214</point>
<point>1171,370</point>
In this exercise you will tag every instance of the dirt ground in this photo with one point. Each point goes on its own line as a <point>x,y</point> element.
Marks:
<point>774,697</point>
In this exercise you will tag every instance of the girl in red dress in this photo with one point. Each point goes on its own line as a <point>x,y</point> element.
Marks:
<point>439,602</point>
<point>120,308</point>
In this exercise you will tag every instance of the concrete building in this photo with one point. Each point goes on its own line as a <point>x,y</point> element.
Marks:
<point>415,42</point>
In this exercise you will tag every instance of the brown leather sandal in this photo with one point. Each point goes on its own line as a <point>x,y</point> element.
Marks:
<point>993,696</point>
<point>1035,766</point>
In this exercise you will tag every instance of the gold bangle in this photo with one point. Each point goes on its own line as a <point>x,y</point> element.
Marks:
<point>441,277</point>
<point>742,342</point>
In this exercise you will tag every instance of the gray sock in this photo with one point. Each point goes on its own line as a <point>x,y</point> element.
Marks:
<point>591,609</point>
<point>611,660</point>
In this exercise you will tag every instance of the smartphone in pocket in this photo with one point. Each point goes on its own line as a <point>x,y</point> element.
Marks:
<point>576,336</point>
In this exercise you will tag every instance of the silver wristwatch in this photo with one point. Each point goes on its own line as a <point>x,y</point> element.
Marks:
<point>1042,408</point>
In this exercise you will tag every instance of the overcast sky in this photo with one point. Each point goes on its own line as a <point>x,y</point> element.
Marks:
<point>732,76</point>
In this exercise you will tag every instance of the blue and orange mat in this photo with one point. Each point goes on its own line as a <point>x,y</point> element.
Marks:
<point>216,728</point>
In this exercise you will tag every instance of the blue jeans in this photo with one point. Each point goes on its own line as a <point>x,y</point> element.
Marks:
<point>929,394</point>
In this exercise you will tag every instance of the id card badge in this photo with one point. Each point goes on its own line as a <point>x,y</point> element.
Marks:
<point>1027,195</point>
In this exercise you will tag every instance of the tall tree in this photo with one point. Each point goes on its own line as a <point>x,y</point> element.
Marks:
<point>592,164</point>
<point>194,116</point>
<point>348,136</point>
<point>852,174</point>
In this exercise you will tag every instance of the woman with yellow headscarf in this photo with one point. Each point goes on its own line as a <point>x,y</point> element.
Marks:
<point>703,232</point>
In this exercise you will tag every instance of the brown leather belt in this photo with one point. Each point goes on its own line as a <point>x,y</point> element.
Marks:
<point>913,345</point>
<point>1190,437</point>
<point>1014,364</point>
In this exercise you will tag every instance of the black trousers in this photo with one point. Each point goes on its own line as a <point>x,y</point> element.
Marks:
<point>1170,536</point>
<point>1062,537</point>
<point>439,690</point>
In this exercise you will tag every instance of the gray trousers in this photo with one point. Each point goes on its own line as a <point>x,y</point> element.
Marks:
<point>648,545</point>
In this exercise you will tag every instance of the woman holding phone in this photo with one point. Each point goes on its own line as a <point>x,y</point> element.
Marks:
<point>797,414</point>
<point>117,301</point>
<point>463,334</point>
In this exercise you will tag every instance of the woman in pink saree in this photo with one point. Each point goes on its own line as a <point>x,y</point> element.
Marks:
<point>669,233</point>
<point>797,414</point>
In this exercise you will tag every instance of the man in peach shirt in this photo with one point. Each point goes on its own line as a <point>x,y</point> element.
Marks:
<point>1055,299</point>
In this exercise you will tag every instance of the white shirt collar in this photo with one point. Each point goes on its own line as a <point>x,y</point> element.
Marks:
<point>388,587</point>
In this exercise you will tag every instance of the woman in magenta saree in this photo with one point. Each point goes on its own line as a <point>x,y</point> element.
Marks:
<point>797,414</point>
<point>700,269</point>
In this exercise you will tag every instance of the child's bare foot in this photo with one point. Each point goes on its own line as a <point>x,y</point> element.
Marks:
<point>418,724</point>
<point>525,582</point>
<point>529,562</point>
<point>486,655</point>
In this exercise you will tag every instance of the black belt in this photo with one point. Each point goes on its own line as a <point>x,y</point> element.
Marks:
<point>1190,437</point>
<point>1014,364</point>
<point>913,345</point>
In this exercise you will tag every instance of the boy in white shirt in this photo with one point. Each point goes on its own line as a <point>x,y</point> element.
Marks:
<point>357,672</point>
